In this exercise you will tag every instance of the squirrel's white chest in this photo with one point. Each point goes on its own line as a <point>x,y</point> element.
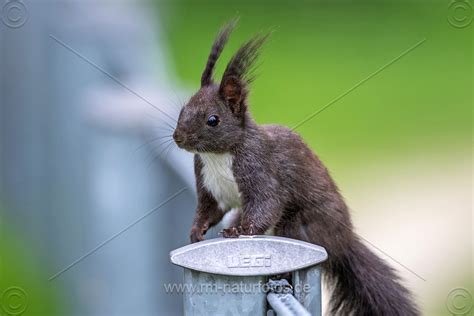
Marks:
<point>218,178</point>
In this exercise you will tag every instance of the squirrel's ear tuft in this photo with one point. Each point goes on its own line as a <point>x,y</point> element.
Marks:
<point>216,50</point>
<point>231,90</point>
<point>242,63</point>
<point>238,73</point>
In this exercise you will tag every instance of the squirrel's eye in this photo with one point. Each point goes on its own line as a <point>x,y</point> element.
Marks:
<point>213,120</point>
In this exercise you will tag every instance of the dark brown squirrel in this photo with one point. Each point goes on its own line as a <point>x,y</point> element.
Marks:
<point>277,184</point>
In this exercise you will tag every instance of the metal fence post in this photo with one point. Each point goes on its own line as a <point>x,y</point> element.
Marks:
<point>228,276</point>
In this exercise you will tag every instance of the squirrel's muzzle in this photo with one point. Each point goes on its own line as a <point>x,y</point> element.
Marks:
<point>178,137</point>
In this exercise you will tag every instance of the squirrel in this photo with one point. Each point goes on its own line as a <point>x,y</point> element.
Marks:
<point>278,184</point>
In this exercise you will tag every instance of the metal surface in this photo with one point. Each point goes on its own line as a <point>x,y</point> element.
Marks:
<point>307,288</point>
<point>249,256</point>
<point>228,276</point>
<point>212,294</point>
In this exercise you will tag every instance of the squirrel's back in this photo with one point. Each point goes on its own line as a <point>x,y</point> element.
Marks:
<point>296,160</point>
<point>286,144</point>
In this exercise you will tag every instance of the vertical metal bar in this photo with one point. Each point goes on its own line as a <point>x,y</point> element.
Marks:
<point>307,288</point>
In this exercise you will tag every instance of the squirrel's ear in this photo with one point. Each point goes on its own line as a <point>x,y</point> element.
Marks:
<point>231,90</point>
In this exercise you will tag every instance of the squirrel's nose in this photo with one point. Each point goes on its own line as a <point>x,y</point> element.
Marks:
<point>178,137</point>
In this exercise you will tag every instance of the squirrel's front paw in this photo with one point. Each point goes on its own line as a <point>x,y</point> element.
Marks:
<point>231,232</point>
<point>234,232</point>
<point>196,235</point>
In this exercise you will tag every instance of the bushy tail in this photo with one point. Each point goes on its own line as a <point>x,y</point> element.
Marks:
<point>364,285</point>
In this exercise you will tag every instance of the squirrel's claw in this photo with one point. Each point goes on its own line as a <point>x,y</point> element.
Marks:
<point>231,232</point>
<point>234,232</point>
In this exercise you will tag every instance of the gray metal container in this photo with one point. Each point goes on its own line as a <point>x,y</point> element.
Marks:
<point>228,276</point>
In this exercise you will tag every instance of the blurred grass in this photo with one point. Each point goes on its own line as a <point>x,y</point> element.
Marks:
<point>320,49</point>
<point>21,268</point>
